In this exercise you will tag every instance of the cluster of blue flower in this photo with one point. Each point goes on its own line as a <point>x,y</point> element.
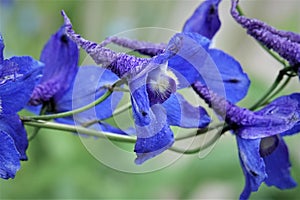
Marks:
<point>187,60</point>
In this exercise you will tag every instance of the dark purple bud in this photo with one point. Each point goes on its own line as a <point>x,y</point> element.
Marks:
<point>285,43</point>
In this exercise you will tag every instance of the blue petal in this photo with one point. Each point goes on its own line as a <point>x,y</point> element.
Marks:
<point>1,48</point>
<point>9,157</point>
<point>88,86</point>
<point>60,56</point>
<point>181,113</point>
<point>252,164</point>
<point>205,20</point>
<point>235,81</point>
<point>280,116</point>
<point>16,88</point>
<point>278,167</point>
<point>154,138</point>
<point>13,126</point>
<point>192,59</point>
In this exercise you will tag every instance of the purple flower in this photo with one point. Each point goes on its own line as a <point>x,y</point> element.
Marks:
<point>262,151</point>
<point>205,20</point>
<point>155,103</point>
<point>285,43</point>
<point>18,76</point>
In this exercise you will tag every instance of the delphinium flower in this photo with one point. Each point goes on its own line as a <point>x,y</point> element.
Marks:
<point>285,43</point>
<point>155,103</point>
<point>201,26</point>
<point>55,90</point>
<point>18,76</point>
<point>262,151</point>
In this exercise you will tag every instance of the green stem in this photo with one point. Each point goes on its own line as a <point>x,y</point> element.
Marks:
<point>36,129</point>
<point>272,88</point>
<point>80,130</point>
<point>196,150</point>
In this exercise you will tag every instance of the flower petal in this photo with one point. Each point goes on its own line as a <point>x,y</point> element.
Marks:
<point>252,164</point>
<point>205,20</point>
<point>154,138</point>
<point>12,125</point>
<point>280,116</point>
<point>16,86</point>
<point>9,157</point>
<point>89,85</point>
<point>278,167</point>
<point>1,49</point>
<point>60,56</point>
<point>181,113</point>
<point>236,82</point>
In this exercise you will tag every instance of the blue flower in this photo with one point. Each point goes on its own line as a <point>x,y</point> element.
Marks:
<point>205,19</point>
<point>61,74</point>
<point>262,151</point>
<point>155,103</point>
<point>18,76</point>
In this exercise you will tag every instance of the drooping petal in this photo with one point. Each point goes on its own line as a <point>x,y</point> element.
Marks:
<point>252,164</point>
<point>205,20</point>
<point>154,138</point>
<point>278,166</point>
<point>9,156</point>
<point>181,113</point>
<point>16,86</point>
<point>60,56</point>
<point>12,125</point>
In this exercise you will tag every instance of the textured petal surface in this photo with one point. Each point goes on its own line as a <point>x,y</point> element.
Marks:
<point>19,76</point>
<point>252,164</point>
<point>181,113</point>
<point>9,157</point>
<point>205,20</point>
<point>281,115</point>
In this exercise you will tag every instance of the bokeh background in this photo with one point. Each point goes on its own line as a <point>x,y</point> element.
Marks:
<point>60,167</point>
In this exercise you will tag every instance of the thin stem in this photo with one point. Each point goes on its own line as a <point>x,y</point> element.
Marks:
<point>280,88</point>
<point>78,110</point>
<point>80,130</point>
<point>196,150</point>
<point>36,129</point>
<point>272,88</point>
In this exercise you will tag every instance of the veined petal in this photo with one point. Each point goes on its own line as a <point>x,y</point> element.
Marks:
<point>280,116</point>
<point>252,164</point>
<point>12,125</point>
<point>278,167</point>
<point>181,113</point>
<point>205,20</point>
<point>9,156</point>
<point>154,138</point>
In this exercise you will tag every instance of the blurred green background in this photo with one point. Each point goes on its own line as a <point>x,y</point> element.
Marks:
<point>60,167</point>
